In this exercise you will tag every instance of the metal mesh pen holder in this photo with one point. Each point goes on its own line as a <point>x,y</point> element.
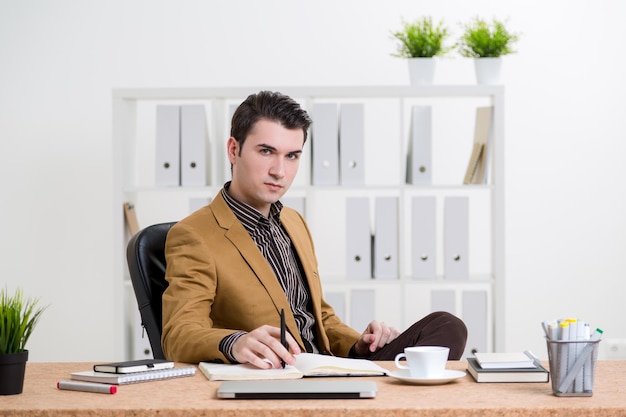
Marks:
<point>572,365</point>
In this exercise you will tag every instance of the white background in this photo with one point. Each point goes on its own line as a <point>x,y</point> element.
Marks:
<point>59,60</point>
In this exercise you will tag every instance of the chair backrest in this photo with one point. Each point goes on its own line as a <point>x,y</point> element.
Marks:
<point>146,263</point>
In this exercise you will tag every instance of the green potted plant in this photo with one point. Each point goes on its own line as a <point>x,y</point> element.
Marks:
<point>419,42</point>
<point>486,42</point>
<point>18,318</point>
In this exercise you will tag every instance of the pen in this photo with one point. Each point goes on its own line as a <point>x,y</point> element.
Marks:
<point>87,387</point>
<point>535,359</point>
<point>283,337</point>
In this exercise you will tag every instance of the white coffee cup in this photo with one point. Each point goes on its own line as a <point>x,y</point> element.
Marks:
<point>425,362</point>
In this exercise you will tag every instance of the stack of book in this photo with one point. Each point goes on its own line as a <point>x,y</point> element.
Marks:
<point>120,373</point>
<point>506,367</point>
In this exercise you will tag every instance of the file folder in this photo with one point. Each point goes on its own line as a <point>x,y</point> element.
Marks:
<point>474,315</point>
<point>477,170</point>
<point>196,203</point>
<point>193,146</point>
<point>386,238</point>
<point>167,146</point>
<point>358,239</point>
<point>337,301</point>
<point>456,238</point>
<point>131,219</point>
<point>424,237</point>
<point>443,300</point>
<point>362,308</point>
<point>352,143</point>
<point>419,156</point>
<point>296,203</point>
<point>325,144</point>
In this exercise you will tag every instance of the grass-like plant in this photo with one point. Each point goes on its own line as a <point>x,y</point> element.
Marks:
<point>18,317</point>
<point>421,39</point>
<point>481,39</point>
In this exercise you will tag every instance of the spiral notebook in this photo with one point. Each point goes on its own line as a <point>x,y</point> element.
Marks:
<point>135,377</point>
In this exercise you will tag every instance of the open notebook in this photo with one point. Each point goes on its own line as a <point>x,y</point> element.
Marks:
<point>307,364</point>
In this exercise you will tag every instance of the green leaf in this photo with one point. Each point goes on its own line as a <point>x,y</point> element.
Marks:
<point>483,40</point>
<point>18,318</point>
<point>421,39</point>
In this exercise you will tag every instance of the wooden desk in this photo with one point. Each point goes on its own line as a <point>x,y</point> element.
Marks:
<point>195,396</point>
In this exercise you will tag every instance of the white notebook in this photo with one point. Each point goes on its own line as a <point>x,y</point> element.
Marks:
<point>122,379</point>
<point>307,364</point>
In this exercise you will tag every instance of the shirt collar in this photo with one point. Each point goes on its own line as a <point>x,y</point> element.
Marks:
<point>247,214</point>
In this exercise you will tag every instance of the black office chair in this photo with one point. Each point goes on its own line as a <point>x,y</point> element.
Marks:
<point>146,262</point>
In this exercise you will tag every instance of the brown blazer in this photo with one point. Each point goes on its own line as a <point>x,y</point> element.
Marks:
<point>220,283</point>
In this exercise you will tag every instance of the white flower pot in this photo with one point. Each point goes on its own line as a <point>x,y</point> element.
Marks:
<point>487,70</point>
<point>421,71</point>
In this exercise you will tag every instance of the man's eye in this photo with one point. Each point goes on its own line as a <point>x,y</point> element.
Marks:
<point>293,155</point>
<point>265,151</point>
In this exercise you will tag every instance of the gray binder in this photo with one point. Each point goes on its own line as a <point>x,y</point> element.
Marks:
<point>296,203</point>
<point>386,238</point>
<point>193,146</point>
<point>474,314</point>
<point>167,146</point>
<point>362,308</point>
<point>352,144</point>
<point>337,301</point>
<point>358,239</point>
<point>419,156</point>
<point>424,237</point>
<point>443,300</point>
<point>325,144</point>
<point>456,238</point>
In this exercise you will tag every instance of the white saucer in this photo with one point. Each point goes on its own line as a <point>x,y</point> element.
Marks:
<point>448,375</point>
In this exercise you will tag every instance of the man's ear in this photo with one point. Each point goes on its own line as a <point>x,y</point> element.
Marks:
<point>232,149</point>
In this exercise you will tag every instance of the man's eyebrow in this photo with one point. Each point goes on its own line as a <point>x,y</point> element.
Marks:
<point>270,147</point>
<point>263,145</point>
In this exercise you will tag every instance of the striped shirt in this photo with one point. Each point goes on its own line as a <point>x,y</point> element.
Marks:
<point>275,245</point>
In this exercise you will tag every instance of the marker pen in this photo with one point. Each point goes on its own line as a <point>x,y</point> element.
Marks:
<point>87,387</point>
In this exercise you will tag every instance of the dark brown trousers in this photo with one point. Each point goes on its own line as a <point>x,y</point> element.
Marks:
<point>436,329</point>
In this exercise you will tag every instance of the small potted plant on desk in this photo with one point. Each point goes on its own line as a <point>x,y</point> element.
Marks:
<point>486,43</point>
<point>419,42</point>
<point>18,317</point>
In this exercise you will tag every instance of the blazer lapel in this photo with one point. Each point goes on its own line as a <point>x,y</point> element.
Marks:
<point>305,251</point>
<point>238,235</point>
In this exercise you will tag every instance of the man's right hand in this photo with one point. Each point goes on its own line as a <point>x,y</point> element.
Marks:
<point>262,348</point>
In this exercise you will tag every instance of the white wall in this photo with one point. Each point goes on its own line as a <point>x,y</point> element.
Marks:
<point>60,59</point>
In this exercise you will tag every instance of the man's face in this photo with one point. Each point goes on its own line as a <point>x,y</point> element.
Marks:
<point>264,168</point>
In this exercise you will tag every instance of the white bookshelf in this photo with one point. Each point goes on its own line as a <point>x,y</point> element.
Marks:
<point>399,302</point>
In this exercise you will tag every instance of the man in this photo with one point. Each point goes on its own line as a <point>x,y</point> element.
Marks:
<point>233,265</point>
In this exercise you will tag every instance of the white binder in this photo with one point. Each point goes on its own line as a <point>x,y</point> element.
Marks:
<point>386,238</point>
<point>456,238</point>
<point>193,146</point>
<point>337,301</point>
<point>474,315</point>
<point>352,143</point>
<point>325,144</point>
<point>424,237</point>
<point>362,308</point>
<point>196,203</point>
<point>443,300</point>
<point>358,239</point>
<point>167,146</point>
<point>419,156</point>
<point>296,203</point>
